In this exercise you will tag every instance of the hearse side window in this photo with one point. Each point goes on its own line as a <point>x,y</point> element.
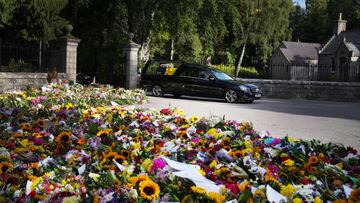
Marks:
<point>190,72</point>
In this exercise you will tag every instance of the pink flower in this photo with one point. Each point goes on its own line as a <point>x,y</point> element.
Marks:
<point>276,141</point>
<point>158,164</point>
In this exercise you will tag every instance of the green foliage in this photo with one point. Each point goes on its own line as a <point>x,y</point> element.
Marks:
<point>6,11</point>
<point>17,66</point>
<point>39,19</point>
<point>245,72</point>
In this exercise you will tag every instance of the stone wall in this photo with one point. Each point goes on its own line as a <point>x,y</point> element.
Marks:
<point>331,91</point>
<point>14,81</point>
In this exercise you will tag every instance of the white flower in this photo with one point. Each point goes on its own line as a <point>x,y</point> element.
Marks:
<point>133,194</point>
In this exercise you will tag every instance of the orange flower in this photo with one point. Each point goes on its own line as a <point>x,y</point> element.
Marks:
<point>355,196</point>
<point>81,141</point>
<point>313,160</point>
<point>340,201</point>
<point>237,154</point>
<point>311,169</point>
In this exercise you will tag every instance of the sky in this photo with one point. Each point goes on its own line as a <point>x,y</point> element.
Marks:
<point>301,3</point>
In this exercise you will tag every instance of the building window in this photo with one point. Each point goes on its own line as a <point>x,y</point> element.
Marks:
<point>332,64</point>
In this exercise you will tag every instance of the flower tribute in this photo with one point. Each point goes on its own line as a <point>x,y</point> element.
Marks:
<point>74,144</point>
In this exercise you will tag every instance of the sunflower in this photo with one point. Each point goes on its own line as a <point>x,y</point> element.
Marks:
<point>201,143</point>
<point>182,134</point>
<point>25,126</point>
<point>40,123</point>
<point>5,167</point>
<point>119,159</point>
<point>199,190</point>
<point>63,138</point>
<point>149,189</point>
<point>217,197</point>
<point>109,157</point>
<point>139,178</point>
<point>125,153</point>
<point>103,133</point>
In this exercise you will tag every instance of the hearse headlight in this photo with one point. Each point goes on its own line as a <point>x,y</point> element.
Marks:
<point>244,88</point>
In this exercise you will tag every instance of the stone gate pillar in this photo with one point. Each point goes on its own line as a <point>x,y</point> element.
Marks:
<point>131,64</point>
<point>69,58</point>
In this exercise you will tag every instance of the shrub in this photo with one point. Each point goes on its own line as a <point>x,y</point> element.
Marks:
<point>245,72</point>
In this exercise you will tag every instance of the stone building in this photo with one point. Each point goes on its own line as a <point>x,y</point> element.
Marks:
<point>295,61</point>
<point>339,58</point>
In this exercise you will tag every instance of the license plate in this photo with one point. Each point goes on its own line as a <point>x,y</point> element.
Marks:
<point>257,95</point>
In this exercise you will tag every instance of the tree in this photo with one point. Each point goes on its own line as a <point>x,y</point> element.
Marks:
<point>261,24</point>
<point>38,19</point>
<point>6,11</point>
<point>316,21</point>
<point>350,10</point>
<point>297,22</point>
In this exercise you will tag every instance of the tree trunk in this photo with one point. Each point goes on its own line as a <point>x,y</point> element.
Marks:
<point>240,60</point>
<point>144,52</point>
<point>172,50</point>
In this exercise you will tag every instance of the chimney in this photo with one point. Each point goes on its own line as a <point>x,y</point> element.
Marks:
<point>340,25</point>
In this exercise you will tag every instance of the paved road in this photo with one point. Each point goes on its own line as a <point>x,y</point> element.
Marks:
<point>327,121</point>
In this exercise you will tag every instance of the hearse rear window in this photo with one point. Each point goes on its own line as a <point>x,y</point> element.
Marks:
<point>162,68</point>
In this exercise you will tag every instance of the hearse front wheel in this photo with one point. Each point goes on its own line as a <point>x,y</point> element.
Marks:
<point>231,96</point>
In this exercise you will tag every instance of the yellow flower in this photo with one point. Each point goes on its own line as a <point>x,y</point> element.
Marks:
<point>213,164</point>
<point>297,200</point>
<point>243,186</point>
<point>317,200</point>
<point>202,172</point>
<point>287,190</point>
<point>217,197</point>
<point>194,119</point>
<point>147,164</point>
<point>179,112</point>
<point>289,162</point>
<point>149,190</point>
<point>213,132</point>
<point>69,106</point>
<point>199,190</point>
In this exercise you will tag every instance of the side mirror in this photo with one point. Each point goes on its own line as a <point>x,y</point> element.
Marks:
<point>211,78</point>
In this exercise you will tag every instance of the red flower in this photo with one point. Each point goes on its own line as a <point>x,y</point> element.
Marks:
<point>165,111</point>
<point>233,188</point>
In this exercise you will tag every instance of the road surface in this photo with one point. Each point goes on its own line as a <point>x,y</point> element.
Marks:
<point>335,122</point>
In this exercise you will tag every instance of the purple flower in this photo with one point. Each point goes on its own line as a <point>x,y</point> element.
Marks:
<point>196,139</point>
